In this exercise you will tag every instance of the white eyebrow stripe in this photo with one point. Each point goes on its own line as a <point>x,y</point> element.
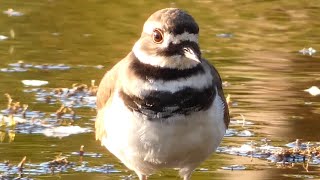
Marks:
<point>176,39</point>
<point>183,37</point>
<point>169,38</point>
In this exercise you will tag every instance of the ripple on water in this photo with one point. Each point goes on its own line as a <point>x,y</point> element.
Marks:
<point>21,66</point>
<point>234,167</point>
<point>75,97</point>
<point>302,153</point>
<point>9,171</point>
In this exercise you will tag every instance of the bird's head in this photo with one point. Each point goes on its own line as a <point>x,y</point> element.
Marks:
<point>169,39</point>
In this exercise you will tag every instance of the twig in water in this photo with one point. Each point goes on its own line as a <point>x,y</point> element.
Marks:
<point>20,166</point>
<point>243,120</point>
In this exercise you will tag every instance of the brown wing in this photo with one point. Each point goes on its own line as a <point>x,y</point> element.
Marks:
<point>107,86</point>
<point>104,93</point>
<point>218,82</point>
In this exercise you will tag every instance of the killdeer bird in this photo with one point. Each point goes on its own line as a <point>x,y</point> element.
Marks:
<point>162,106</point>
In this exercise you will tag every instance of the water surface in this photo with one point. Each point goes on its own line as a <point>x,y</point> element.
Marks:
<point>254,44</point>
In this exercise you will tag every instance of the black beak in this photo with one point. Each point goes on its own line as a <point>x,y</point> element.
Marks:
<point>191,54</point>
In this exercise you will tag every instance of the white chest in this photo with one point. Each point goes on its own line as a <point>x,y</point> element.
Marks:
<point>172,143</point>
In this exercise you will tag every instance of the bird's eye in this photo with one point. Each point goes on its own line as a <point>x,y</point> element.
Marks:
<point>157,36</point>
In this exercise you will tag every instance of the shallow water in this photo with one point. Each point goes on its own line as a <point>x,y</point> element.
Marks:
<point>254,44</point>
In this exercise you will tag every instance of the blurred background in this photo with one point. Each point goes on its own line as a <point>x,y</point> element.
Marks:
<point>265,51</point>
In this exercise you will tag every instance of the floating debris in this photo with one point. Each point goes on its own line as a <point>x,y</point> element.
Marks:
<point>245,133</point>
<point>87,154</point>
<point>204,51</point>
<point>308,103</point>
<point>224,35</point>
<point>18,119</point>
<point>80,95</point>
<point>11,12</point>
<point>234,167</point>
<point>235,123</point>
<point>2,37</point>
<point>306,153</point>
<point>308,51</point>
<point>10,120</point>
<point>20,64</point>
<point>314,91</point>
<point>14,69</point>
<point>81,151</point>
<point>89,66</point>
<point>202,169</point>
<point>51,127</point>
<point>301,176</point>
<point>11,135</point>
<point>129,177</point>
<point>13,172</point>
<point>52,67</point>
<point>58,165</point>
<point>106,168</point>
<point>15,109</point>
<point>59,161</point>
<point>243,122</point>
<point>240,122</point>
<point>232,132</point>
<point>64,131</point>
<point>34,82</point>
<point>65,112</point>
<point>244,149</point>
<point>23,114</point>
<point>297,144</point>
<point>20,166</point>
<point>99,66</point>
<point>226,84</point>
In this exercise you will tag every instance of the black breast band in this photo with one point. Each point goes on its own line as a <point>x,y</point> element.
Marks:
<point>163,104</point>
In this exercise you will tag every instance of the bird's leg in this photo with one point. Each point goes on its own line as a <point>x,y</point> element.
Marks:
<point>187,177</point>
<point>142,177</point>
<point>185,173</point>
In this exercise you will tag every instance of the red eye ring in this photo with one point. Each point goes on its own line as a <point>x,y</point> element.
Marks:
<point>157,36</point>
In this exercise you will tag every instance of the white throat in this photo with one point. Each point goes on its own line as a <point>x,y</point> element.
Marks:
<point>174,62</point>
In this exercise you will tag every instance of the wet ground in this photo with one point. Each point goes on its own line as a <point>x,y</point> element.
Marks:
<point>266,51</point>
